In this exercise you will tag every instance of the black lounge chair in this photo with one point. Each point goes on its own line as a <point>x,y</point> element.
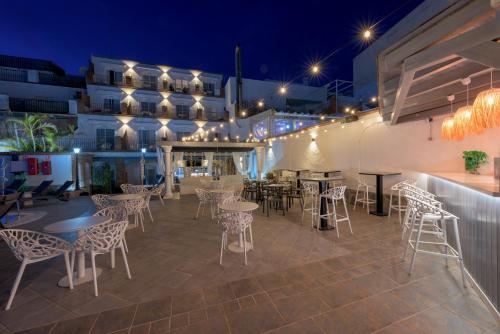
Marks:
<point>15,185</point>
<point>4,209</point>
<point>59,193</point>
<point>42,187</point>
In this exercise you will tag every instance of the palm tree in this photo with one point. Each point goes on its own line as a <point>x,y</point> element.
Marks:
<point>33,126</point>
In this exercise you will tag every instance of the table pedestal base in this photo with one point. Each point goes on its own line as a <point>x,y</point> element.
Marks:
<point>63,282</point>
<point>235,247</point>
<point>381,214</point>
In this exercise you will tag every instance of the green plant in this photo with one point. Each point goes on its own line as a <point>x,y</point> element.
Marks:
<point>106,178</point>
<point>473,160</point>
<point>269,176</point>
<point>32,126</point>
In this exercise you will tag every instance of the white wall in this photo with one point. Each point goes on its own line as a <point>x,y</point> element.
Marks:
<point>377,145</point>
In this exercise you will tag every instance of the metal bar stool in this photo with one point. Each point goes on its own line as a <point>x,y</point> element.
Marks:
<point>334,195</point>
<point>365,199</point>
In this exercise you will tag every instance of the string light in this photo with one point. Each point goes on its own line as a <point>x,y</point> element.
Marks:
<point>315,69</point>
<point>260,104</point>
<point>243,113</point>
<point>367,34</point>
<point>283,90</point>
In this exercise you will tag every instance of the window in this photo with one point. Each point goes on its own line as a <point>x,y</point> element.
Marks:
<point>182,111</point>
<point>112,105</point>
<point>149,82</point>
<point>115,78</point>
<point>211,113</point>
<point>149,107</point>
<point>209,88</point>
<point>105,139</point>
<point>146,138</point>
<point>181,85</point>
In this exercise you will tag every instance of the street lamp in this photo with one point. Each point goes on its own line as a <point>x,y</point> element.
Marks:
<point>76,150</point>
<point>143,165</point>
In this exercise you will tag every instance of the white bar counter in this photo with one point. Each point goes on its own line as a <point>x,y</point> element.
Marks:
<point>483,183</point>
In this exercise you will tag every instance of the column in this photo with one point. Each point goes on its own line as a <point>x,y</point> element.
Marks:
<point>169,179</point>
<point>259,151</point>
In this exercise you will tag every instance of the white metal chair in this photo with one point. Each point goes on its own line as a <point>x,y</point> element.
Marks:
<point>101,201</point>
<point>139,189</point>
<point>102,239</point>
<point>30,247</point>
<point>203,198</point>
<point>396,191</point>
<point>365,199</point>
<point>117,214</point>
<point>310,195</point>
<point>235,223</point>
<point>158,191</point>
<point>426,211</point>
<point>334,195</point>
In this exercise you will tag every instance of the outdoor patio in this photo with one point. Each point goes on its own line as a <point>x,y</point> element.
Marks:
<point>297,280</point>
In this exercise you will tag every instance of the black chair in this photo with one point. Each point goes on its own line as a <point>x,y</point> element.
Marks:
<point>59,193</point>
<point>42,187</point>
<point>16,184</point>
<point>273,197</point>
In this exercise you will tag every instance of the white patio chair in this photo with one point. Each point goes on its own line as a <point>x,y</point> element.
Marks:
<point>365,199</point>
<point>31,247</point>
<point>310,195</point>
<point>396,191</point>
<point>102,239</point>
<point>158,191</point>
<point>203,199</point>
<point>101,201</point>
<point>139,189</point>
<point>117,214</point>
<point>235,223</point>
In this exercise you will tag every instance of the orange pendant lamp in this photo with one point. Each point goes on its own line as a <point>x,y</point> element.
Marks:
<point>449,128</point>
<point>486,108</point>
<point>462,121</point>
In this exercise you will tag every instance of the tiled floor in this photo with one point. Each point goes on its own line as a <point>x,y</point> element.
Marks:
<point>297,281</point>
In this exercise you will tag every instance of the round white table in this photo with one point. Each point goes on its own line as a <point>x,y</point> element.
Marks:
<point>125,198</point>
<point>237,246</point>
<point>78,225</point>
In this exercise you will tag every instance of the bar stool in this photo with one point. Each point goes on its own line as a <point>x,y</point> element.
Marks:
<point>365,189</point>
<point>335,194</point>
<point>396,191</point>
<point>426,211</point>
<point>310,195</point>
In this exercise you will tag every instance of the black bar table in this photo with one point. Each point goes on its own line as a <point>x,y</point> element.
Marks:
<point>323,185</point>
<point>380,190</point>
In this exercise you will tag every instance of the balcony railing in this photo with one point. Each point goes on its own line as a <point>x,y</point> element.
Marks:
<point>158,85</point>
<point>58,80</point>
<point>38,106</point>
<point>116,144</point>
<point>8,74</point>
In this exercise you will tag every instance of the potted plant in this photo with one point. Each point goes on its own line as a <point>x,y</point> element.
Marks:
<point>473,160</point>
<point>269,176</point>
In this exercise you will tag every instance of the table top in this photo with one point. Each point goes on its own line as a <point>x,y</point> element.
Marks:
<point>320,179</point>
<point>382,173</point>
<point>279,185</point>
<point>75,224</point>
<point>124,197</point>
<point>239,206</point>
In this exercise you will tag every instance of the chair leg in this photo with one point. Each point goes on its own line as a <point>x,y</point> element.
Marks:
<point>16,284</point>
<point>251,236</point>
<point>459,250</point>
<point>150,214</point>
<point>125,243</point>
<point>356,198</point>
<point>94,274</point>
<point>161,200</point>
<point>221,248</point>
<point>69,272</point>
<point>347,215</point>
<point>198,211</point>
<point>124,255</point>
<point>417,240</point>
<point>245,245</point>
<point>141,220</point>
<point>113,258</point>
<point>399,206</point>
<point>72,263</point>
<point>367,202</point>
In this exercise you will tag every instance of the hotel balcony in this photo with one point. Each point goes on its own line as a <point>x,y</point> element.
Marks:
<point>117,144</point>
<point>159,86</point>
<point>38,106</point>
<point>162,112</point>
<point>44,78</point>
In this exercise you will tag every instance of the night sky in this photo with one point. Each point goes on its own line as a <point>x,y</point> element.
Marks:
<point>278,38</point>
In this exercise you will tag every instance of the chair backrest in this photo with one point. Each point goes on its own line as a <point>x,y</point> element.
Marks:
<point>16,184</point>
<point>158,190</point>
<point>338,192</point>
<point>103,237</point>
<point>116,212</point>
<point>234,222</point>
<point>32,245</point>
<point>125,187</point>
<point>42,187</point>
<point>310,188</point>
<point>202,194</point>
<point>101,201</point>
<point>135,205</point>
<point>64,187</point>
<point>425,206</point>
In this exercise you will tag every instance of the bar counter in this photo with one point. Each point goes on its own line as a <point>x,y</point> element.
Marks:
<point>475,199</point>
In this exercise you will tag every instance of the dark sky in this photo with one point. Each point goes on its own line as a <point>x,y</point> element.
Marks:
<point>278,38</point>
